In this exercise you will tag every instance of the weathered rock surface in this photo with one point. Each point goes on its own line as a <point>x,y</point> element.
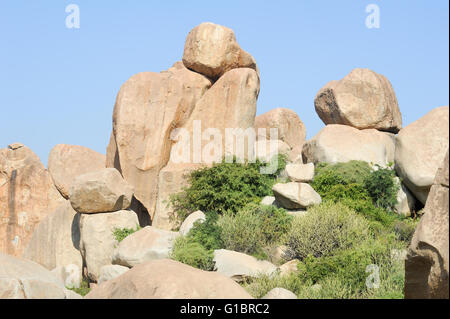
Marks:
<point>406,202</point>
<point>420,149</point>
<point>340,143</point>
<point>147,244</point>
<point>265,150</point>
<point>279,293</point>
<point>27,195</point>
<point>427,261</point>
<point>289,267</point>
<point>300,172</point>
<point>239,266</point>
<point>189,222</point>
<point>168,279</point>
<point>100,191</point>
<point>24,279</point>
<point>363,99</point>
<point>97,242</point>
<point>70,275</point>
<point>148,107</point>
<point>171,180</point>
<point>66,162</point>
<point>291,129</point>
<point>56,240</point>
<point>212,50</point>
<point>109,272</point>
<point>295,195</point>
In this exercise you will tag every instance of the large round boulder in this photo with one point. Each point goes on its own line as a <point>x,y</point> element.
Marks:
<point>212,50</point>
<point>168,279</point>
<point>291,129</point>
<point>362,99</point>
<point>420,149</point>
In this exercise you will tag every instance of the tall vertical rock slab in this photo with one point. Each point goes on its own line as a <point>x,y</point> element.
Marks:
<point>420,149</point>
<point>27,196</point>
<point>56,239</point>
<point>148,107</point>
<point>427,262</point>
<point>229,103</point>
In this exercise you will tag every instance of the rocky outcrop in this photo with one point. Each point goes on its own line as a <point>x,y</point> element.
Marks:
<point>280,293</point>
<point>168,279</point>
<point>340,143</point>
<point>56,240</point>
<point>27,196</point>
<point>144,245</point>
<point>295,195</point>
<point>148,107</point>
<point>97,242</point>
<point>189,222</point>
<point>66,162</point>
<point>363,99</point>
<point>427,261</point>
<point>239,266</point>
<point>419,150</point>
<point>212,50</point>
<point>69,274</point>
<point>100,191</point>
<point>24,279</point>
<point>291,129</point>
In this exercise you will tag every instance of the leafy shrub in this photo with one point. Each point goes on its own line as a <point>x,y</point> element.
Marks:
<point>192,253</point>
<point>225,187</point>
<point>253,228</point>
<point>381,187</point>
<point>121,233</point>
<point>350,265</point>
<point>208,234</point>
<point>404,229</point>
<point>324,229</point>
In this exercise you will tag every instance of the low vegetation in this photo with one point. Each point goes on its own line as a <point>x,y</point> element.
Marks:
<point>350,240</point>
<point>121,233</point>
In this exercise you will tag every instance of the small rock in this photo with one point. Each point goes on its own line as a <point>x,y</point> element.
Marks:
<point>303,173</point>
<point>280,293</point>
<point>289,267</point>
<point>109,272</point>
<point>295,195</point>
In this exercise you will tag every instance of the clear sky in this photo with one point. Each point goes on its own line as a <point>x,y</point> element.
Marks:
<point>58,85</point>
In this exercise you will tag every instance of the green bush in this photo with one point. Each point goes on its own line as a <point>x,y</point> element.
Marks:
<point>225,187</point>
<point>381,187</point>
<point>325,228</point>
<point>208,234</point>
<point>121,233</point>
<point>254,228</point>
<point>192,253</point>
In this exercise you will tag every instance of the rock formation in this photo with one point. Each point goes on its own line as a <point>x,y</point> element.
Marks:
<point>363,99</point>
<point>427,262</point>
<point>27,196</point>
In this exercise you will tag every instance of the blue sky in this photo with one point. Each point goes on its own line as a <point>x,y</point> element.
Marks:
<point>58,85</point>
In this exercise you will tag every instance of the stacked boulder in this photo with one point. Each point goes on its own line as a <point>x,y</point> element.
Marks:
<point>102,199</point>
<point>297,195</point>
<point>214,87</point>
<point>363,122</point>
